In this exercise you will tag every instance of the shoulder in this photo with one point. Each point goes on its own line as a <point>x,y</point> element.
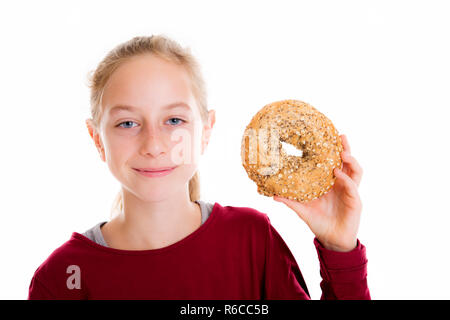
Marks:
<point>246,216</point>
<point>63,254</point>
<point>55,269</point>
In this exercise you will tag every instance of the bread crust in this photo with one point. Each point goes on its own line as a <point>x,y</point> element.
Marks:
<point>303,177</point>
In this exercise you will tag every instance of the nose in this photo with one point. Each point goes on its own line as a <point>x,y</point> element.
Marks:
<point>153,143</point>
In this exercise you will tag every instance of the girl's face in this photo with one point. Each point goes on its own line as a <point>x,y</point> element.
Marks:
<point>151,120</point>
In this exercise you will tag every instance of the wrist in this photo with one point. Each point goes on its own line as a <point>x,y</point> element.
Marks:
<point>340,247</point>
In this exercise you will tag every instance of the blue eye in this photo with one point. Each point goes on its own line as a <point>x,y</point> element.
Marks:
<point>176,122</point>
<point>120,124</point>
<point>176,119</point>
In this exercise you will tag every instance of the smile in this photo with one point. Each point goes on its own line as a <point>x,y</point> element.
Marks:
<point>151,174</point>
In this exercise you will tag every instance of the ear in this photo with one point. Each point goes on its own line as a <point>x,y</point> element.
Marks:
<point>207,129</point>
<point>96,137</point>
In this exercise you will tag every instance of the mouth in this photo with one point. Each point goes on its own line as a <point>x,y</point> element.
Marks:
<point>154,169</point>
<point>154,172</point>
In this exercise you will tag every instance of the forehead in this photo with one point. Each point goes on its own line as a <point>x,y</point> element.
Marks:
<point>148,81</point>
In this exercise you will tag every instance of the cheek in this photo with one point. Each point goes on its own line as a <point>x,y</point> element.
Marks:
<point>185,146</point>
<point>186,171</point>
<point>117,153</point>
<point>119,146</point>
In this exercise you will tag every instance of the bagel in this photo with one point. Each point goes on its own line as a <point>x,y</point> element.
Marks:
<point>281,125</point>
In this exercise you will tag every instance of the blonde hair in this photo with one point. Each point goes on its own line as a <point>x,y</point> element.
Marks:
<point>162,47</point>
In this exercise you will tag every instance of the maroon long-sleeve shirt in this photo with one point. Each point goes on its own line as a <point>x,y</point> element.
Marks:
<point>235,254</point>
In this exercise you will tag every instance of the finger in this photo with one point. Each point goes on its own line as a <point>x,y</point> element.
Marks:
<point>352,167</point>
<point>347,183</point>
<point>345,143</point>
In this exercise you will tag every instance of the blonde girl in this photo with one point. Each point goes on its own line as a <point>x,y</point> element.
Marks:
<point>150,124</point>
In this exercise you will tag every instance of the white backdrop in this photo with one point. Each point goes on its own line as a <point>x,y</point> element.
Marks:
<point>379,70</point>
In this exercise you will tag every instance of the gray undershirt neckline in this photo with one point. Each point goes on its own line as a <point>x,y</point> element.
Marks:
<point>95,233</point>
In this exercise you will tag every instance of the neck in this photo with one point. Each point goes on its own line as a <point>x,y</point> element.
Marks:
<point>154,224</point>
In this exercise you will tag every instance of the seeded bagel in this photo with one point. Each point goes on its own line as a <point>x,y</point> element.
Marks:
<point>264,151</point>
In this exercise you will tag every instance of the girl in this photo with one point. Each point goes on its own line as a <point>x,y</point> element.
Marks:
<point>150,124</point>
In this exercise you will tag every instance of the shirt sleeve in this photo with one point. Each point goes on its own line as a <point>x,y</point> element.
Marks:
<point>344,274</point>
<point>282,277</point>
<point>37,290</point>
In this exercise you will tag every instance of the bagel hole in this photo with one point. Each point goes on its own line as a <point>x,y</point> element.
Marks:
<point>291,149</point>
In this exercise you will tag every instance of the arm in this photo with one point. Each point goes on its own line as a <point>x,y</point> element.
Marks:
<point>283,279</point>
<point>37,290</point>
<point>344,274</point>
<point>334,220</point>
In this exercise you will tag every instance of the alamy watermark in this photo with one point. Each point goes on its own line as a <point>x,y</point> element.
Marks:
<point>74,280</point>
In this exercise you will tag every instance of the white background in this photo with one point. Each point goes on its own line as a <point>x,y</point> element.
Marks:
<point>379,70</point>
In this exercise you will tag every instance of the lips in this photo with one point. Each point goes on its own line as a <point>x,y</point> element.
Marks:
<point>155,172</point>
<point>154,169</point>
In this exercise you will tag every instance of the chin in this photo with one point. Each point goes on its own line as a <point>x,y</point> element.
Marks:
<point>159,192</point>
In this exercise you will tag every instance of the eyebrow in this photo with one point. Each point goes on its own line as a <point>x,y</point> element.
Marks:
<point>118,108</point>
